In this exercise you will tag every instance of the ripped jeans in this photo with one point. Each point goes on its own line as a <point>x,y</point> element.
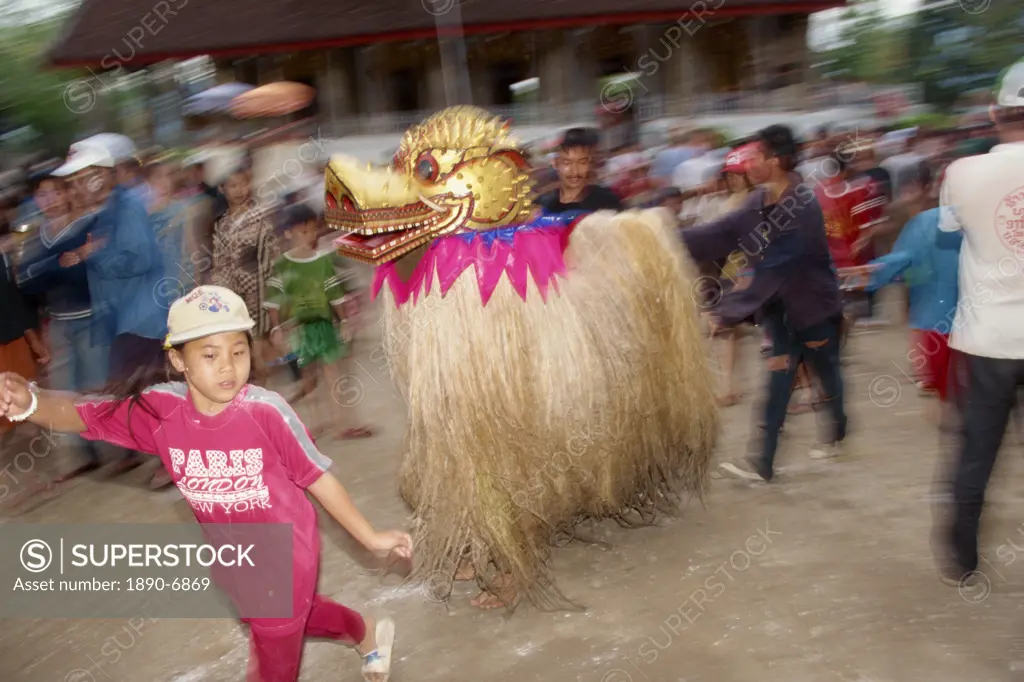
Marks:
<point>819,346</point>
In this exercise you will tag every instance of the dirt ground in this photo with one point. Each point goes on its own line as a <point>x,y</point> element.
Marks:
<point>826,574</point>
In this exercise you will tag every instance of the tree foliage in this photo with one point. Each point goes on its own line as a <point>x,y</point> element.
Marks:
<point>31,93</point>
<point>943,46</point>
<point>955,51</point>
<point>869,48</point>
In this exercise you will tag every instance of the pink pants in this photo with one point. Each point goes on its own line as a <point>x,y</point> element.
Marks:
<point>276,651</point>
<point>934,347</point>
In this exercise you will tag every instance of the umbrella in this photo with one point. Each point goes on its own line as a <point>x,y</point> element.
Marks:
<point>273,99</point>
<point>214,100</point>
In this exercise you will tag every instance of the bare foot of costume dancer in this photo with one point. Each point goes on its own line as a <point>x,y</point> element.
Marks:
<point>554,370</point>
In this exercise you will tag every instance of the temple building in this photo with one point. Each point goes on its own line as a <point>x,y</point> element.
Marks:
<point>377,65</point>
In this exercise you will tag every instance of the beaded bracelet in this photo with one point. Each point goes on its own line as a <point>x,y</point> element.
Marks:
<point>33,388</point>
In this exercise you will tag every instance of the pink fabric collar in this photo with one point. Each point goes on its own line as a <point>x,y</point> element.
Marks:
<point>537,250</point>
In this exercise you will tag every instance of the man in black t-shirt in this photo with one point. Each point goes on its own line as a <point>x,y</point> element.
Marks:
<point>572,163</point>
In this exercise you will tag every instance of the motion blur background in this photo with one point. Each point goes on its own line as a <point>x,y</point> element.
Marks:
<point>72,69</point>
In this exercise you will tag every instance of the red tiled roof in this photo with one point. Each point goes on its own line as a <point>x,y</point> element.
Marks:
<point>112,32</point>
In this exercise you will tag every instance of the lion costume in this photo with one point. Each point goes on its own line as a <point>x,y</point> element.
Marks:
<point>554,368</point>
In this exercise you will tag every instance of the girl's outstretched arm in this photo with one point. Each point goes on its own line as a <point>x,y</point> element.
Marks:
<point>56,409</point>
<point>329,491</point>
<point>907,249</point>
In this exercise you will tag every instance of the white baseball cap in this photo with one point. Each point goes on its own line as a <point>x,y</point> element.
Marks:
<point>81,157</point>
<point>1010,88</point>
<point>120,147</point>
<point>205,311</point>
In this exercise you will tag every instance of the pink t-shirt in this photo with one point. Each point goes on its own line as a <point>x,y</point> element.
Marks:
<point>249,464</point>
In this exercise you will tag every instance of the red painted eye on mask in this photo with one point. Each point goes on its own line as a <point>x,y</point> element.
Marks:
<point>426,167</point>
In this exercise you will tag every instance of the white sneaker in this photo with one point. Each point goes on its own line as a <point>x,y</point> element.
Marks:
<point>747,474</point>
<point>827,451</point>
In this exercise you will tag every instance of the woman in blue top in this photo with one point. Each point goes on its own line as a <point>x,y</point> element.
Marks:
<point>928,261</point>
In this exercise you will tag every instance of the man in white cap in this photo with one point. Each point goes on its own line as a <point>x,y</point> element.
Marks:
<point>123,264</point>
<point>80,348</point>
<point>982,196</point>
<point>127,168</point>
<point>86,168</point>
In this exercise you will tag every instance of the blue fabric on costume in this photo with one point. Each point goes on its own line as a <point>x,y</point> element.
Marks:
<point>508,233</point>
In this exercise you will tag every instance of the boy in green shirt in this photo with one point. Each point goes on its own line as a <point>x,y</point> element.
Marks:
<point>306,291</point>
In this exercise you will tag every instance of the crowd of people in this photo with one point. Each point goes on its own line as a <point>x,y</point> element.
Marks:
<point>869,184</point>
<point>794,238</point>
<point>120,235</point>
<point>138,262</point>
<point>98,247</point>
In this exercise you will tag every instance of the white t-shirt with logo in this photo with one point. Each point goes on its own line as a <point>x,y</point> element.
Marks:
<point>984,196</point>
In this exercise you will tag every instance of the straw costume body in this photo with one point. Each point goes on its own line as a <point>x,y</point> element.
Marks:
<point>554,366</point>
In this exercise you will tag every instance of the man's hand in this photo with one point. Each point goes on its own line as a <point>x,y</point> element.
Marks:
<point>91,247</point>
<point>714,324</point>
<point>859,269</point>
<point>856,277</point>
<point>69,259</point>
<point>39,348</point>
<point>42,354</point>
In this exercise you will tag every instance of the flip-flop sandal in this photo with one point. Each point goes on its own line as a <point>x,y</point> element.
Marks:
<point>378,661</point>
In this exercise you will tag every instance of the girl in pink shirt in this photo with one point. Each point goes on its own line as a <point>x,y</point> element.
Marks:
<point>239,454</point>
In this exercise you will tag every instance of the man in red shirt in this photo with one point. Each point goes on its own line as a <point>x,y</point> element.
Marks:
<point>853,205</point>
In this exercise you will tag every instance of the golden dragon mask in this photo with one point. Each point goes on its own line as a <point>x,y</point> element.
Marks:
<point>457,171</point>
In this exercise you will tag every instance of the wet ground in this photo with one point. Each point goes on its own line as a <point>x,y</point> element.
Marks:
<point>826,574</point>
